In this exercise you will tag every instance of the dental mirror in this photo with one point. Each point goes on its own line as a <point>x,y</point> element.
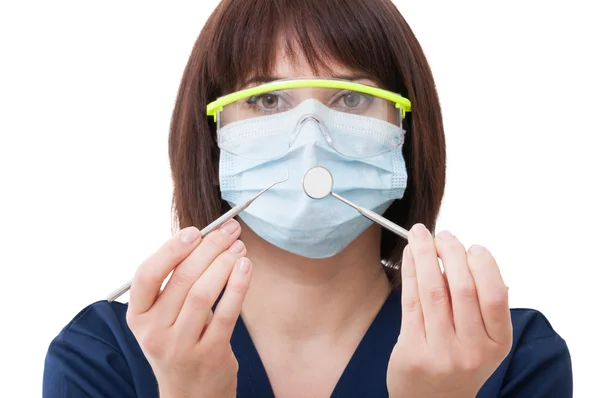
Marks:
<point>318,184</point>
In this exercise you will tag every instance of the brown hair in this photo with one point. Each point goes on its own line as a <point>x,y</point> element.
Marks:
<point>240,40</point>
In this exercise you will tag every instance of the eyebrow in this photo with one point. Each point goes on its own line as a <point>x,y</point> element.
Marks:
<point>260,79</point>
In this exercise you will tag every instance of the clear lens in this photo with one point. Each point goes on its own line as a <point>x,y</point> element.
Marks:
<point>266,125</point>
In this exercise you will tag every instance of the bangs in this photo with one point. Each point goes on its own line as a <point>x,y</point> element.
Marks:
<point>249,34</point>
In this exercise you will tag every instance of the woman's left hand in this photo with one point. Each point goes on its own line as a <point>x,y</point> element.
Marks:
<point>456,326</point>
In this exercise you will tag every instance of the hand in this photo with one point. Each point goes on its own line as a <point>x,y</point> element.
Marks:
<point>189,348</point>
<point>456,326</point>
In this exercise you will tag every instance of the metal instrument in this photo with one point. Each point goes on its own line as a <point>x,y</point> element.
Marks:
<point>318,184</point>
<point>208,229</point>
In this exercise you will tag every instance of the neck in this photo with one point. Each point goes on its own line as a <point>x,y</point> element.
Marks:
<point>302,298</point>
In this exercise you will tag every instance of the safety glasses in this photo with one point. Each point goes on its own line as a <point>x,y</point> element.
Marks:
<point>356,119</point>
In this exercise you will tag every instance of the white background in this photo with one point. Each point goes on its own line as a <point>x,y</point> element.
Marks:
<point>86,93</point>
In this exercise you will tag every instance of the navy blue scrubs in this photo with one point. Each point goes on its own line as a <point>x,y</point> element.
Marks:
<point>96,355</point>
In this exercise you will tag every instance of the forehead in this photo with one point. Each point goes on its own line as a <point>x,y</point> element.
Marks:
<point>296,64</point>
<point>289,61</point>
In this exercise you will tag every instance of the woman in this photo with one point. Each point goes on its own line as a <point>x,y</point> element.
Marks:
<point>337,306</point>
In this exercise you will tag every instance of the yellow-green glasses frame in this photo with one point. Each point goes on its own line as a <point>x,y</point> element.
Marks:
<point>217,106</point>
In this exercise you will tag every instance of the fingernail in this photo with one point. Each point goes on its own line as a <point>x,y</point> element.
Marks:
<point>477,249</point>
<point>243,265</point>
<point>190,234</point>
<point>230,227</point>
<point>445,235</point>
<point>236,247</point>
<point>420,231</point>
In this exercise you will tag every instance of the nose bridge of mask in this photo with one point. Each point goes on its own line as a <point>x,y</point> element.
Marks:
<point>310,127</point>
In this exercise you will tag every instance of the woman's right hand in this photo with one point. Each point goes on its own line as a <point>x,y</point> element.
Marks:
<point>187,346</point>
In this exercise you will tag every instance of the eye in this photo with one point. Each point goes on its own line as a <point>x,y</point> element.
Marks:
<point>351,100</point>
<point>268,101</point>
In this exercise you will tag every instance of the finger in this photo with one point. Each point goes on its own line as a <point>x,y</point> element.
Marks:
<point>447,287</point>
<point>199,302</point>
<point>412,313</point>
<point>493,294</point>
<point>432,289</point>
<point>228,310</point>
<point>150,275</point>
<point>187,273</point>
<point>466,313</point>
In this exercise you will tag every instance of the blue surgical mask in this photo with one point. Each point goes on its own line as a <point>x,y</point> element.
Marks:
<point>284,216</point>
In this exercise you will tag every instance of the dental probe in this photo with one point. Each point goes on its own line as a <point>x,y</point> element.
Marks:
<point>208,229</point>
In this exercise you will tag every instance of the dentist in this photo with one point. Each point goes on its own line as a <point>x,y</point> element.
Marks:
<point>299,297</point>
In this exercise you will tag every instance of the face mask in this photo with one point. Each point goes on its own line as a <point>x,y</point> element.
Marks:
<point>284,216</point>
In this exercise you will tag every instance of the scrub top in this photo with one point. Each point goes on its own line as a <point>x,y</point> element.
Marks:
<point>96,355</point>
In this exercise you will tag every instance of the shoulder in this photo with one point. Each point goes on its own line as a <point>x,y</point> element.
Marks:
<point>100,319</point>
<point>539,363</point>
<point>102,326</point>
<point>96,354</point>
<point>535,340</point>
<point>531,324</point>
